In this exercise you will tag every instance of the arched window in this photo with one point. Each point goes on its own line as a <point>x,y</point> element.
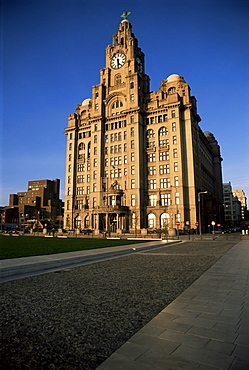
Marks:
<point>87,222</point>
<point>117,104</point>
<point>78,222</point>
<point>88,149</point>
<point>171,90</point>
<point>150,133</point>
<point>151,221</point>
<point>118,79</point>
<point>164,220</point>
<point>81,146</point>
<point>163,131</point>
<point>132,85</point>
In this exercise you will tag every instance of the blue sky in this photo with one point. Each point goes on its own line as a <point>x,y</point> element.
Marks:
<point>52,51</point>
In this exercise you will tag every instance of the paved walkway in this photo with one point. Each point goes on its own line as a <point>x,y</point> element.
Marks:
<point>206,327</point>
<point>16,268</point>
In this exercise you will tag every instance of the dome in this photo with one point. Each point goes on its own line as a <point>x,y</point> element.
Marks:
<point>175,77</point>
<point>86,101</point>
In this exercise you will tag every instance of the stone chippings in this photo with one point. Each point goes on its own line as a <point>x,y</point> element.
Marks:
<point>76,318</point>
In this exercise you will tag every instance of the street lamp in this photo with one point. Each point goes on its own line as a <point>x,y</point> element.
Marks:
<point>199,207</point>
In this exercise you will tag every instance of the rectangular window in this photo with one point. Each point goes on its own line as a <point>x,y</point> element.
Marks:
<point>174,153</point>
<point>164,183</point>
<point>132,131</point>
<point>133,200</point>
<point>165,199</point>
<point>173,126</point>
<point>177,198</point>
<point>132,119</point>
<point>125,171</point>
<point>95,139</point>
<point>94,187</point>
<point>81,167</point>
<point>133,184</point>
<point>125,159</point>
<point>132,170</point>
<point>132,144</point>
<point>160,119</point>
<point>95,162</point>
<point>152,184</point>
<point>106,162</point>
<point>163,156</point>
<point>80,190</point>
<point>173,113</point>
<point>106,139</point>
<point>69,168</point>
<point>106,150</point>
<point>94,174</point>
<point>88,178</point>
<point>152,170</point>
<point>176,181</point>
<point>132,157</point>
<point>125,135</point>
<point>175,166</point>
<point>80,178</point>
<point>94,202</point>
<point>95,150</point>
<point>152,157</point>
<point>68,204</point>
<point>69,179</point>
<point>132,96</point>
<point>164,169</point>
<point>125,147</point>
<point>152,200</point>
<point>70,157</point>
<point>68,191</point>
<point>174,140</point>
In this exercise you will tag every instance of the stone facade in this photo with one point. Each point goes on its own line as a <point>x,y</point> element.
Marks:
<point>137,159</point>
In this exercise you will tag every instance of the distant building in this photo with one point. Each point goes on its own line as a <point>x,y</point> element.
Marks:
<point>138,159</point>
<point>232,206</point>
<point>239,193</point>
<point>39,203</point>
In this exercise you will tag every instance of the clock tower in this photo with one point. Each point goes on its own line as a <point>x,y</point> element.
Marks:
<point>133,157</point>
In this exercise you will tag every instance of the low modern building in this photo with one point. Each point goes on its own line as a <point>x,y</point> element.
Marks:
<point>136,159</point>
<point>40,203</point>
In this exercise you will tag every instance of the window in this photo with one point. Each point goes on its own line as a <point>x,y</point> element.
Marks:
<point>132,131</point>
<point>69,179</point>
<point>80,190</point>
<point>173,114</point>
<point>95,150</point>
<point>164,142</point>
<point>132,119</point>
<point>125,159</point>
<point>165,117</point>
<point>177,198</point>
<point>88,178</point>
<point>132,85</point>
<point>80,178</point>
<point>125,171</point>
<point>95,162</point>
<point>94,174</point>
<point>176,181</point>
<point>171,90</point>
<point>71,136</point>
<point>118,79</point>
<point>163,156</point>
<point>95,127</point>
<point>160,119</point>
<point>132,183</point>
<point>152,200</point>
<point>94,187</point>
<point>152,157</point>
<point>125,147</point>
<point>97,106</point>
<point>88,166</point>
<point>174,140</point>
<point>164,183</point>
<point>79,204</point>
<point>106,150</point>
<point>70,157</point>
<point>117,104</point>
<point>106,162</point>
<point>133,200</point>
<point>132,170</point>
<point>150,133</point>
<point>106,139</point>
<point>70,146</point>
<point>165,199</point>
<point>132,157</point>
<point>125,135</point>
<point>174,153</point>
<point>151,221</point>
<point>82,146</point>
<point>95,139</point>
<point>68,191</point>
<point>152,170</point>
<point>94,202</point>
<point>68,204</point>
<point>164,169</point>
<point>88,189</point>
<point>132,144</point>
<point>96,95</point>
<point>175,166</point>
<point>173,126</point>
<point>164,220</point>
<point>81,167</point>
<point>132,97</point>
<point>163,131</point>
<point>69,168</point>
<point>152,184</point>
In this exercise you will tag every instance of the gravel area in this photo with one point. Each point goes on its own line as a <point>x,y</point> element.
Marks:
<point>75,318</point>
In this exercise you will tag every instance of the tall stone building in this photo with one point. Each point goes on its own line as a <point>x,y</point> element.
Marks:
<point>240,194</point>
<point>137,159</point>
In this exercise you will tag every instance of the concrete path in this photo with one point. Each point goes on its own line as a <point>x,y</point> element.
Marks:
<point>15,268</point>
<point>206,327</point>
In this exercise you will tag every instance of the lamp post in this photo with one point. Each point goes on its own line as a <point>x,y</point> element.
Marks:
<point>199,207</point>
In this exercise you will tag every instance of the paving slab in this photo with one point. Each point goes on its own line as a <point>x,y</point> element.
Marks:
<point>205,328</point>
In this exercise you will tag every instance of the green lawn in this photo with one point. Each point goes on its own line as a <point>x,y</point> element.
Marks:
<point>23,246</point>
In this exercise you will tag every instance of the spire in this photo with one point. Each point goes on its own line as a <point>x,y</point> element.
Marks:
<point>125,14</point>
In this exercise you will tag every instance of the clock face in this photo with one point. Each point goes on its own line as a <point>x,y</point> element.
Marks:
<point>139,65</point>
<point>118,60</point>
